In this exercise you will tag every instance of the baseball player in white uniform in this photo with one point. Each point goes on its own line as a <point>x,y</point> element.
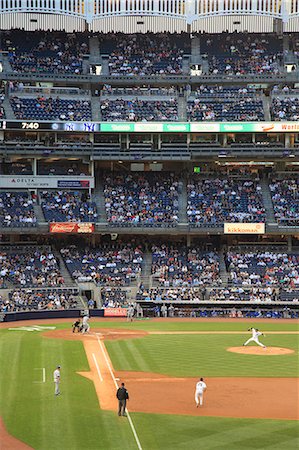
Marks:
<point>56,376</point>
<point>255,337</point>
<point>200,388</point>
<point>85,325</point>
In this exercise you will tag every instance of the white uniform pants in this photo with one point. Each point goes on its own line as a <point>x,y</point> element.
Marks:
<point>199,398</point>
<point>86,328</point>
<point>256,340</point>
<point>57,390</point>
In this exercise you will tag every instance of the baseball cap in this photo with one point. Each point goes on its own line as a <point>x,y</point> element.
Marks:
<point>58,367</point>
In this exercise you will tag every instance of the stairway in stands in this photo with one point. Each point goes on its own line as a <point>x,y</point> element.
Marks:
<point>182,108</point>
<point>63,269</point>
<point>98,198</point>
<point>9,114</point>
<point>222,267</point>
<point>39,214</point>
<point>183,198</point>
<point>266,106</point>
<point>146,275</point>
<point>270,217</point>
<point>95,108</point>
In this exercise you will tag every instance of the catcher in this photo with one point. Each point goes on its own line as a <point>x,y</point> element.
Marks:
<point>77,326</point>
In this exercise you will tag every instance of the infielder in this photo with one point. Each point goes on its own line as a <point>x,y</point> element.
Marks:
<point>255,337</point>
<point>85,325</point>
<point>200,388</point>
<point>56,376</point>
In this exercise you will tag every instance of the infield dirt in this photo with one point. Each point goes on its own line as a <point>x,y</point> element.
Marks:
<point>155,393</point>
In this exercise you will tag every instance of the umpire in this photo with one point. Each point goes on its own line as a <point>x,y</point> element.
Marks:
<point>77,325</point>
<point>122,396</point>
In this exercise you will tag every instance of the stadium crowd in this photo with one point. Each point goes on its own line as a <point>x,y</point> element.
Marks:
<point>16,210</point>
<point>114,297</point>
<point>285,108</point>
<point>263,268</point>
<point>67,206</point>
<point>285,199</point>
<point>178,265</point>
<point>116,265</point>
<point>139,110</point>
<point>42,108</point>
<point>241,53</point>
<point>145,54</point>
<point>214,201</point>
<point>34,299</point>
<point>45,52</point>
<point>141,199</point>
<point>33,268</point>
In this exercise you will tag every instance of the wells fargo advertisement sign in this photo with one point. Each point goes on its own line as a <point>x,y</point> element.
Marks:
<point>244,228</point>
<point>71,227</point>
<point>115,312</point>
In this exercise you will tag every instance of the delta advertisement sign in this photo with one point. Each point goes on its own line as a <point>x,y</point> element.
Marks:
<point>244,228</point>
<point>41,182</point>
<point>71,227</point>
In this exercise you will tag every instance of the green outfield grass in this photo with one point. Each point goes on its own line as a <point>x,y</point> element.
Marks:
<point>74,421</point>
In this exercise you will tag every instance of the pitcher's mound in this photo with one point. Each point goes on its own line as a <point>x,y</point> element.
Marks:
<point>260,350</point>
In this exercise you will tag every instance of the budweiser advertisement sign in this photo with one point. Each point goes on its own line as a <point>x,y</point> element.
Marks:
<point>71,227</point>
<point>115,312</point>
<point>244,228</point>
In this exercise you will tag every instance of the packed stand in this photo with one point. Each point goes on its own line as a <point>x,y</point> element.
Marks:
<point>225,109</point>
<point>285,108</point>
<point>42,108</point>
<point>243,294</point>
<point>109,90</point>
<point>285,199</point>
<point>115,265</point>
<point>142,199</point>
<point>30,268</point>
<point>45,52</point>
<point>180,266</point>
<point>262,268</point>
<point>184,294</point>
<point>38,300</point>
<point>16,210</point>
<point>139,110</point>
<point>145,54</point>
<point>67,206</point>
<point>215,201</point>
<point>241,53</point>
<point>114,297</point>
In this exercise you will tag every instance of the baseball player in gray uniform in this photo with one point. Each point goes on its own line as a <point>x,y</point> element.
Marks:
<point>56,376</point>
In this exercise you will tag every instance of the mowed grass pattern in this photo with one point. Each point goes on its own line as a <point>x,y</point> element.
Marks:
<point>32,412</point>
<point>192,355</point>
<point>74,420</point>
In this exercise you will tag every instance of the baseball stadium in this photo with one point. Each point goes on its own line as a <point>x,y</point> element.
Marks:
<point>149,224</point>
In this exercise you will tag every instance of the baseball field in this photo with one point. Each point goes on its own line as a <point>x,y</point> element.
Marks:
<point>251,400</point>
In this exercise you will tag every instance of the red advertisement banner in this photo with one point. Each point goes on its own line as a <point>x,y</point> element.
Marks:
<point>115,312</point>
<point>71,227</point>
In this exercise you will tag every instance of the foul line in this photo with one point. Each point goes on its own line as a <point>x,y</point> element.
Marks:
<point>43,375</point>
<point>97,366</point>
<point>116,386</point>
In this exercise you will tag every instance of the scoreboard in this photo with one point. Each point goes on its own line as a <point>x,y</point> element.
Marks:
<point>153,127</point>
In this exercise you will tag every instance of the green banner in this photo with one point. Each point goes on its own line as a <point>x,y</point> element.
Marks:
<point>118,127</point>
<point>176,127</point>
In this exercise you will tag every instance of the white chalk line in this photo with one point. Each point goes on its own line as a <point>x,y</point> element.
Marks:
<point>97,366</point>
<point>43,374</point>
<point>116,386</point>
